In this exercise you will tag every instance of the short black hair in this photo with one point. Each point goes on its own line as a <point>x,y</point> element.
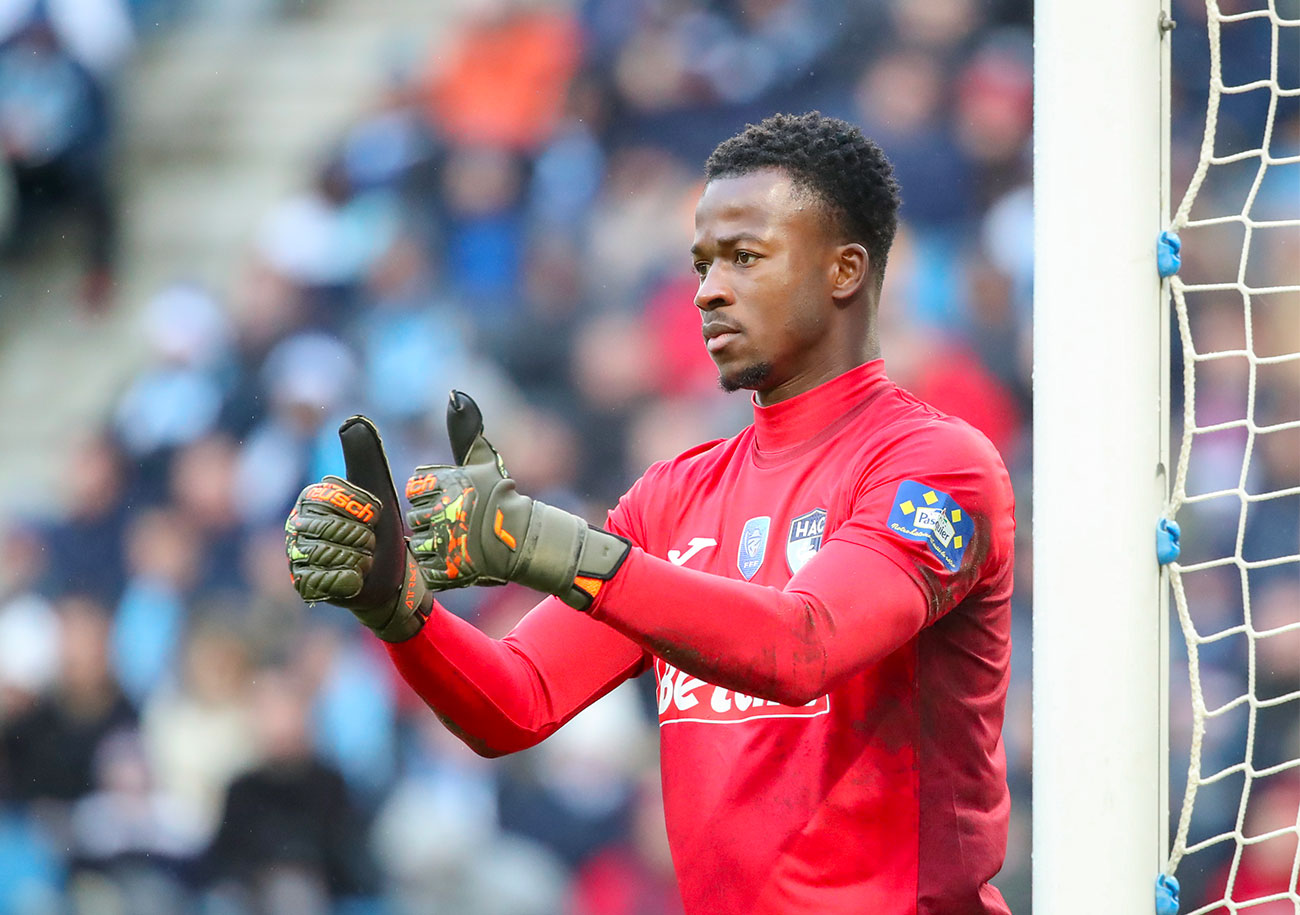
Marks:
<point>831,158</point>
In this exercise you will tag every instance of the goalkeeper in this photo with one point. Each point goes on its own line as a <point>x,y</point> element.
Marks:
<point>823,598</point>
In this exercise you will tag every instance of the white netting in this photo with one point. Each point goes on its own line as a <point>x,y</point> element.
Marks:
<point>1236,492</point>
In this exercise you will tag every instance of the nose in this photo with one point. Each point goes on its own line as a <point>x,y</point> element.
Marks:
<point>714,292</point>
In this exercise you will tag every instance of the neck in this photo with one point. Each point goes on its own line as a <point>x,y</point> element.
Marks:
<point>805,381</point>
<point>871,344</point>
<point>800,421</point>
<point>843,359</point>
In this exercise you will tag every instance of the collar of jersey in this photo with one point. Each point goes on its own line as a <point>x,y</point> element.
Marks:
<point>787,429</point>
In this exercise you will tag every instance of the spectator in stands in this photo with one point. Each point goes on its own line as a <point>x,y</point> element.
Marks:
<point>178,397</point>
<point>201,486</point>
<point>198,729</point>
<point>29,628</point>
<point>484,230</point>
<point>638,226</point>
<point>502,81</point>
<point>577,795</point>
<point>994,116</point>
<point>900,99</point>
<point>269,612</point>
<point>162,555</point>
<point>92,524</point>
<point>550,308</point>
<point>324,239</point>
<point>290,839</point>
<point>405,321</point>
<point>306,379</point>
<point>353,709</point>
<point>132,843</point>
<point>49,749</point>
<point>58,60</point>
<point>438,840</point>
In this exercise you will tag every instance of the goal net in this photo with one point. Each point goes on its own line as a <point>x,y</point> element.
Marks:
<point>1235,692</point>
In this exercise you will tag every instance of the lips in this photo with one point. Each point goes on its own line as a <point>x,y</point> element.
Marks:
<point>718,334</point>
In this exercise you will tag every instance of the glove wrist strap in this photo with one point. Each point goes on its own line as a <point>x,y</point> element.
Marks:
<point>548,557</point>
<point>411,609</point>
<point>601,557</point>
<point>565,556</point>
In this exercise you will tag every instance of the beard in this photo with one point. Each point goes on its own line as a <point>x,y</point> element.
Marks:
<point>751,376</point>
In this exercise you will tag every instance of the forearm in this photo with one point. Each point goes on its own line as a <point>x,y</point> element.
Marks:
<point>789,645</point>
<point>500,696</point>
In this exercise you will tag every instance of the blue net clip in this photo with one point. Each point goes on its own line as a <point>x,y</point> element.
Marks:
<point>1166,895</point>
<point>1167,545</point>
<point>1168,259</point>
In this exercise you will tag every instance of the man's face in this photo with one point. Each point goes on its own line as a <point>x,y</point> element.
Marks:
<point>765,252</point>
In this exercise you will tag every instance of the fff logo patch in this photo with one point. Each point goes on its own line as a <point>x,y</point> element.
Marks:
<point>805,538</point>
<point>753,544</point>
<point>933,517</point>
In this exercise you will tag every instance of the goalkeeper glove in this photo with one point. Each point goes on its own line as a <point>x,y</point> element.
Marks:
<point>347,546</point>
<point>471,526</point>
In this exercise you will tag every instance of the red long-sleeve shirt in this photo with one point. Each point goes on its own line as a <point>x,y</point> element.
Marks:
<point>824,600</point>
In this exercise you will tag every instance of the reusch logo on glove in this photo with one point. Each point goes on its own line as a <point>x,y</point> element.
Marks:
<point>333,494</point>
<point>418,486</point>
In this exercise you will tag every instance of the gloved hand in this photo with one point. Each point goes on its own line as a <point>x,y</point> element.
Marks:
<point>469,525</point>
<point>347,546</point>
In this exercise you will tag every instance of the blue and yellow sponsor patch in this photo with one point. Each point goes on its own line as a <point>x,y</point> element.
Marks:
<point>932,516</point>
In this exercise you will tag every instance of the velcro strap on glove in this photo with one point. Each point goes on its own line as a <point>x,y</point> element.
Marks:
<point>565,556</point>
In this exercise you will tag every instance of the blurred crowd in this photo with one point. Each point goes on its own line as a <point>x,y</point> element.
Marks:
<point>510,216</point>
<point>59,60</point>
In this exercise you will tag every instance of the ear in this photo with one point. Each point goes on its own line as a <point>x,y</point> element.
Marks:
<point>849,271</point>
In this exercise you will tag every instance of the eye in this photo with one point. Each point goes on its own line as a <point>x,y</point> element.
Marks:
<point>701,268</point>
<point>745,258</point>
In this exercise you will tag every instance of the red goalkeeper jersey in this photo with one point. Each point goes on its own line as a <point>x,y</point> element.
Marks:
<point>825,602</point>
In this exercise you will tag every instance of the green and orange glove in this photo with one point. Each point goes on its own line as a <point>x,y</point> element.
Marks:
<point>470,525</point>
<point>347,546</point>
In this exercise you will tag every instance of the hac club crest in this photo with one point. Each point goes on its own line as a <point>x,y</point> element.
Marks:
<point>753,544</point>
<point>805,538</point>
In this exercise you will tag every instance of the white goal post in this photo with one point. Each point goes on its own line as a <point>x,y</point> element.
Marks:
<point>1100,457</point>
